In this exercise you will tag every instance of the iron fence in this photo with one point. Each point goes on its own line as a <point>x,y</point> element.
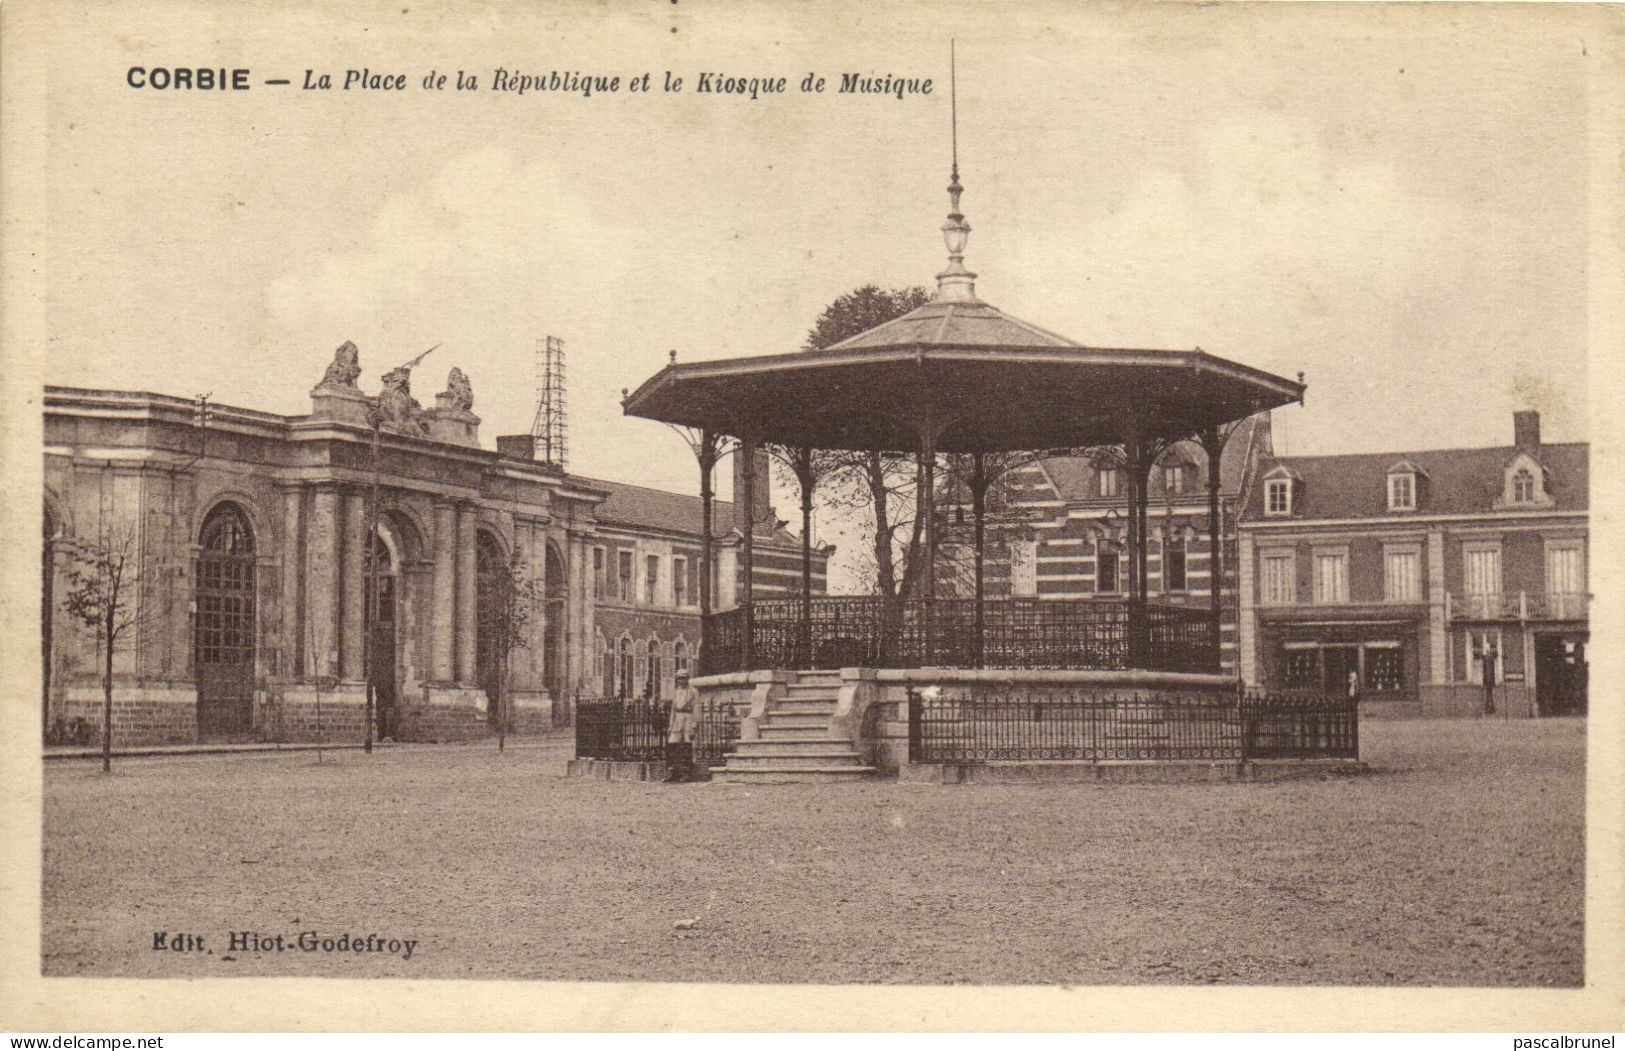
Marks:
<point>865,631</point>
<point>611,728</point>
<point>637,731</point>
<point>1290,724</point>
<point>965,727</point>
<point>716,730</point>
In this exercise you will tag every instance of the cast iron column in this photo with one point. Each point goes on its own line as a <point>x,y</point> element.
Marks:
<point>1213,439</point>
<point>804,475</point>
<point>978,497</point>
<point>926,505</point>
<point>707,454</point>
<point>747,499</point>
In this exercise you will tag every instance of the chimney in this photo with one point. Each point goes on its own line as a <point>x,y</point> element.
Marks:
<point>764,494</point>
<point>1526,431</point>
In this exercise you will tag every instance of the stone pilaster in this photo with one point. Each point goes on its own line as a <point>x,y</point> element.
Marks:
<point>292,640</point>
<point>1246,619</point>
<point>442,616</point>
<point>467,595</point>
<point>353,568</point>
<point>322,585</point>
<point>1438,626</point>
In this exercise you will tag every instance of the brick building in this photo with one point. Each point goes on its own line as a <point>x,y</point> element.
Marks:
<point>1406,568</point>
<point>252,533</point>
<point>1058,528</point>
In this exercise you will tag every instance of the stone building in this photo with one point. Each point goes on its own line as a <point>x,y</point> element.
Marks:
<point>1408,568</point>
<point>254,537</point>
<point>1058,528</point>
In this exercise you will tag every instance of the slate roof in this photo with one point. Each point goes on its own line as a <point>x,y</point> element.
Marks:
<point>1459,481</point>
<point>641,507</point>
<point>957,323</point>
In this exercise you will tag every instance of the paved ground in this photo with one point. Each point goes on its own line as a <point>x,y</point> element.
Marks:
<point>1458,861</point>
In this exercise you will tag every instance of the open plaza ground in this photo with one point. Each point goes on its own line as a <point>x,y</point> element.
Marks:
<point>1457,860</point>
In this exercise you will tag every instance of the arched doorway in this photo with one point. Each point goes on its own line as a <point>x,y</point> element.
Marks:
<point>381,617</point>
<point>224,627</point>
<point>556,588</point>
<point>493,586</point>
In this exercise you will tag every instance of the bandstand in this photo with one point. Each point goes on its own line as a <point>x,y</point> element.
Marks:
<point>840,686</point>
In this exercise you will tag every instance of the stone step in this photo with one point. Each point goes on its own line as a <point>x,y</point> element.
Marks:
<point>819,732</point>
<point>810,693</point>
<point>797,761</point>
<point>799,706</point>
<point>793,746</point>
<point>787,720</point>
<point>772,775</point>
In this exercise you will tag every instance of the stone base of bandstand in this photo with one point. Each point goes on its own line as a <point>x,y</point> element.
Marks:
<point>1126,771</point>
<point>871,712</point>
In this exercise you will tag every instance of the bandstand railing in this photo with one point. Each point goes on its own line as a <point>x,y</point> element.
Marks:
<point>1015,724</point>
<point>864,631</point>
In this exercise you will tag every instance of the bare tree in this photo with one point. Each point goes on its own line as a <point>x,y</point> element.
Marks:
<point>504,624</point>
<point>105,594</point>
<point>883,484</point>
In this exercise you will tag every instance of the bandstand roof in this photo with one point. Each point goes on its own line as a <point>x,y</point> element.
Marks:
<point>997,383</point>
<point>988,381</point>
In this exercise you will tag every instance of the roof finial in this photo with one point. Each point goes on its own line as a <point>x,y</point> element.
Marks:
<point>955,283</point>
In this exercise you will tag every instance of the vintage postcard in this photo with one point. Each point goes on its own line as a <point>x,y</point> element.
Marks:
<point>935,516</point>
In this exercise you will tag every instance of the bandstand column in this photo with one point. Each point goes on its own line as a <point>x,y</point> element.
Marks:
<point>978,497</point>
<point>926,504</point>
<point>804,475</point>
<point>747,477</point>
<point>708,463</point>
<point>1212,439</point>
<point>442,631</point>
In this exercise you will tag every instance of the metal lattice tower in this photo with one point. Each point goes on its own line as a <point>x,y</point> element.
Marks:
<point>550,430</point>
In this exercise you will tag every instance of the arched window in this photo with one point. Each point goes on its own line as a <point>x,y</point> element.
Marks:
<point>679,656</point>
<point>623,669</point>
<point>1523,486</point>
<point>652,685</point>
<point>224,628</point>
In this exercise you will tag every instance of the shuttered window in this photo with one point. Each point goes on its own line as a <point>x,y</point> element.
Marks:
<point>1402,576</point>
<point>1331,576</point>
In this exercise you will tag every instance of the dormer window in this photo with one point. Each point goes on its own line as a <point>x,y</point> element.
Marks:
<point>1108,481</point>
<point>1523,487</point>
<point>1278,496</point>
<point>1173,478</point>
<point>1402,492</point>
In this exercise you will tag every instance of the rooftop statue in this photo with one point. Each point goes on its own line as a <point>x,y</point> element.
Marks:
<point>343,370</point>
<point>458,394</point>
<point>396,406</point>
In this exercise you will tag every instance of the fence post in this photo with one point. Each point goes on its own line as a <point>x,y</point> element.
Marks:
<point>914,734</point>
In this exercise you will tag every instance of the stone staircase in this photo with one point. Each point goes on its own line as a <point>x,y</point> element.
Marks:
<point>796,743</point>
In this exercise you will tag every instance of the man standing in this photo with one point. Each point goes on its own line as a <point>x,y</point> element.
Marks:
<point>680,732</point>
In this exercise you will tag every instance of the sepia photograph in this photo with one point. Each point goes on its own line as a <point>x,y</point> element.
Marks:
<point>1088,499</point>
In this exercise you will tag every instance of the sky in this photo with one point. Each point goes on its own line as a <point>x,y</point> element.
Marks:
<point>1393,202</point>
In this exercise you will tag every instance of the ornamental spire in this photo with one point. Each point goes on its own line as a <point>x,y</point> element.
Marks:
<point>955,284</point>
